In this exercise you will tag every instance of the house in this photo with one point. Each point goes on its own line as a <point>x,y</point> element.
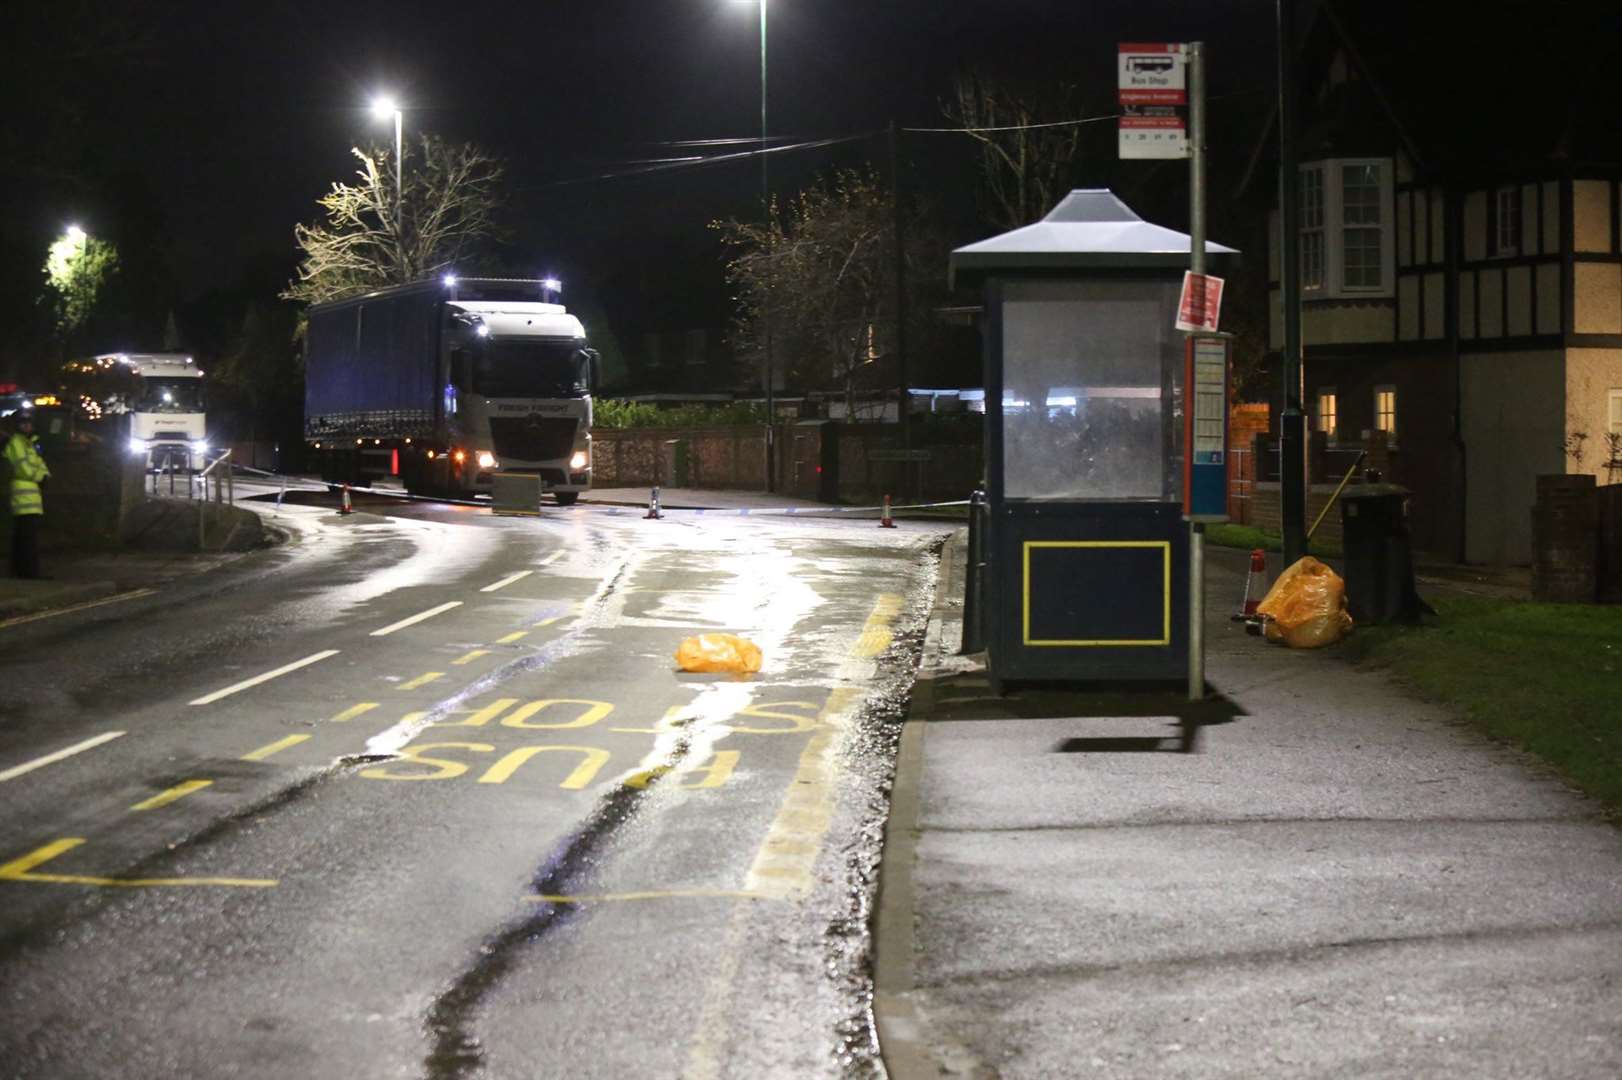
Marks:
<point>1460,255</point>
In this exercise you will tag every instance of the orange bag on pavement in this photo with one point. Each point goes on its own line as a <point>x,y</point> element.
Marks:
<point>718,652</point>
<point>1306,607</point>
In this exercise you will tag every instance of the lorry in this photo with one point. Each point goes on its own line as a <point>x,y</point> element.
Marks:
<point>167,418</point>
<point>448,383</point>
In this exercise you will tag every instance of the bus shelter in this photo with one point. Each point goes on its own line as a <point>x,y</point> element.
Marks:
<point>1085,547</point>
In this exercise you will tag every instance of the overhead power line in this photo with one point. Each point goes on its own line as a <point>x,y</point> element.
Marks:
<point>700,162</point>
<point>1012,127</point>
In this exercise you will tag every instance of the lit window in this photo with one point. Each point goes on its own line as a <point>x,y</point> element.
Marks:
<point>1345,229</point>
<point>1385,410</point>
<point>1616,412</point>
<point>1327,418</point>
<point>1507,240</point>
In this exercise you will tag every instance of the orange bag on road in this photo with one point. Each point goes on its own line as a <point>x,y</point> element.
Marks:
<point>718,652</point>
<point>1306,607</point>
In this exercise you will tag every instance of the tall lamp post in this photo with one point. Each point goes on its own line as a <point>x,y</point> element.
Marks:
<point>382,108</point>
<point>766,209</point>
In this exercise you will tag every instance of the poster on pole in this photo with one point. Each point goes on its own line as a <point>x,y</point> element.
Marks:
<point>1152,89</point>
<point>1200,306</point>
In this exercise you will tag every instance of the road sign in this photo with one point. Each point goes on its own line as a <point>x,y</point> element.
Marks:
<point>1152,89</point>
<point>1200,306</point>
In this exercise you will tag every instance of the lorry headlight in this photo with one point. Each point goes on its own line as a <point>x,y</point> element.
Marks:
<point>487,460</point>
<point>199,446</point>
<point>578,462</point>
<point>138,446</point>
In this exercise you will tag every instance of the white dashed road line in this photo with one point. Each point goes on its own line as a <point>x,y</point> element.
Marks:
<point>266,677</point>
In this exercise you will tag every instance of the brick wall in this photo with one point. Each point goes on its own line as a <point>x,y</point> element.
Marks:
<point>1265,513</point>
<point>1245,422</point>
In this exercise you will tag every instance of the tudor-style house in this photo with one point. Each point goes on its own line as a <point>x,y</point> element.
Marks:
<point>1461,273</point>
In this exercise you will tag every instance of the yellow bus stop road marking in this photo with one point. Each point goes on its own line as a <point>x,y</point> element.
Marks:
<point>470,656</point>
<point>164,798</point>
<point>71,608</point>
<point>516,635</point>
<point>274,748</point>
<point>422,680</point>
<point>655,894</point>
<point>353,711</point>
<point>549,620</point>
<point>51,758</point>
<point>266,677</point>
<point>417,618</point>
<point>23,870</point>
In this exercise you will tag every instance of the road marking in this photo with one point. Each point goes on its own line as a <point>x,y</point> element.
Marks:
<point>18,620</point>
<point>417,618</point>
<point>508,580</point>
<point>22,870</point>
<point>164,798</point>
<point>422,680</point>
<point>550,559</point>
<point>657,894</point>
<point>353,711</point>
<point>470,656</point>
<point>516,635</point>
<point>50,759</point>
<point>549,620</point>
<point>274,748</point>
<point>266,677</point>
<point>876,634</point>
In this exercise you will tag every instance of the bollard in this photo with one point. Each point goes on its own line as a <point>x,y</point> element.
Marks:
<point>653,513</point>
<point>973,639</point>
<point>281,494</point>
<point>885,522</point>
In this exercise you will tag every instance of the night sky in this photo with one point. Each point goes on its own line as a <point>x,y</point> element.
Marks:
<point>221,123</point>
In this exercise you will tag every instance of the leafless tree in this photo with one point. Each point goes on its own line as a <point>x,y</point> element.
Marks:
<point>367,238</point>
<point>1027,168</point>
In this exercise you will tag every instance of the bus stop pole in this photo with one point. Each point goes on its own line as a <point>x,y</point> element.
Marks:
<point>1196,254</point>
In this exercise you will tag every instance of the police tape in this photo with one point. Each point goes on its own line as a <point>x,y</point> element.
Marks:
<point>300,483</point>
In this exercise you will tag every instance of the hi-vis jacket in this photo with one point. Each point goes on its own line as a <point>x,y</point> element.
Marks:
<point>27,470</point>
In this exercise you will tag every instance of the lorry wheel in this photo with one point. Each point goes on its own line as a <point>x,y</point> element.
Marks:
<point>566,498</point>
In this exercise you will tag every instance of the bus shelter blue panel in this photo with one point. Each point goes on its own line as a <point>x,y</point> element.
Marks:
<point>1088,592</point>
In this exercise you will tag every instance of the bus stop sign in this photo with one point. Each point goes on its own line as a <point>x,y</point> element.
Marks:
<point>1205,428</point>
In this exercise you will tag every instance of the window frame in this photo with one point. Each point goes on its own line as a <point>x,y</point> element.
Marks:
<point>1391,432</point>
<point>1613,410</point>
<point>1332,432</point>
<point>1328,175</point>
<point>1506,196</point>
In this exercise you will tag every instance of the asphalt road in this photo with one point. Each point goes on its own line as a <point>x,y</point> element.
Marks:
<point>421,794</point>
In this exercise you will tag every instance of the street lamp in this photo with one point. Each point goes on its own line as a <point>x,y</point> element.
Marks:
<point>766,209</point>
<point>383,107</point>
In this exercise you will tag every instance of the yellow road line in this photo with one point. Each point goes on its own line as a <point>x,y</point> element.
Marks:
<point>508,580</point>
<point>51,758</point>
<point>274,748</point>
<point>422,680</point>
<point>549,620</point>
<point>22,870</point>
<point>516,635</point>
<point>353,711</point>
<point>657,894</point>
<point>164,798</point>
<point>417,618</point>
<point>470,656</point>
<point>266,677</point>
<point>71,608</point>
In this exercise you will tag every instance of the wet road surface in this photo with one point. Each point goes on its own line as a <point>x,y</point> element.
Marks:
<point>421,794</point>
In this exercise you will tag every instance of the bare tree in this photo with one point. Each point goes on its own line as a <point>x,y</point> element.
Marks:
<point>366,241</point>
<point>820,272</point>
<point>1027,168</point>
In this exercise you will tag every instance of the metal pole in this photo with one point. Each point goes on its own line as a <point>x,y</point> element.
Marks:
<point>1196,253</point>
<point>771,270</point>
<point>399,189</point>
<point>1292,453</point>
<point>903,401</point>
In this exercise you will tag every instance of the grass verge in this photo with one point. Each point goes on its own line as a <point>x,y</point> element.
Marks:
<point>1248,537</point>
<point>1544,677</point>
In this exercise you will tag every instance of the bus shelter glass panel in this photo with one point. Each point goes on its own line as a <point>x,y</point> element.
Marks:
<point>1091,386</point>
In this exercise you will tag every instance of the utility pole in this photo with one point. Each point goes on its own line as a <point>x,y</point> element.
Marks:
<point>1196,261</point>
<point>1292,434</point>
<point>903,399</point>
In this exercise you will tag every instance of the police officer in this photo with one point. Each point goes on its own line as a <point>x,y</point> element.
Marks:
<point>27,504</point>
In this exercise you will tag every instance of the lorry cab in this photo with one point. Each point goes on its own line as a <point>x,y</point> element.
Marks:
<point>166,414</point>
<point>519,393</point>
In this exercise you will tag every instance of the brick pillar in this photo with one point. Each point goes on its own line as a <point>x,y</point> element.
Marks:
<point>1565,540</point>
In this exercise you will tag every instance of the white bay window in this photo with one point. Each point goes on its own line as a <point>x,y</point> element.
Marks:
<point>1346,228</point>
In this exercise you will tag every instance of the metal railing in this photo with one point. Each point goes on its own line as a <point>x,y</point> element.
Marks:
<point>224,492</point>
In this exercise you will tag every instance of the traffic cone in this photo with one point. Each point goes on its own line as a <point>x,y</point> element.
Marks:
<point>885,522</point>
<point>1255,585</point>
<point>345,507</point>
<point>653,513</point>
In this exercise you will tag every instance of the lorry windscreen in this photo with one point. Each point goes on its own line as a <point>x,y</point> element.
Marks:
<point>509,367</point>
<point>160,395</point>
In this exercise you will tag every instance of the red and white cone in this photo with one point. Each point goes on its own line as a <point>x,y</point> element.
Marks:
<point>345,507</point>
<point>885,522</point>
<point>1255,585</point>
<point>653,513</point>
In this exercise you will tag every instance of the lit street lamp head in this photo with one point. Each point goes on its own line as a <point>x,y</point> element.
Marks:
<point>75,233</point>
<point>384,107</point>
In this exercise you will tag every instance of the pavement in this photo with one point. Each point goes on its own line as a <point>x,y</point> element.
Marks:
<point>1341,881</point>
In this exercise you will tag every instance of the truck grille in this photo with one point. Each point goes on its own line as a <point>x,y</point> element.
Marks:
<point>170,436</point>
<point>532,438</point>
